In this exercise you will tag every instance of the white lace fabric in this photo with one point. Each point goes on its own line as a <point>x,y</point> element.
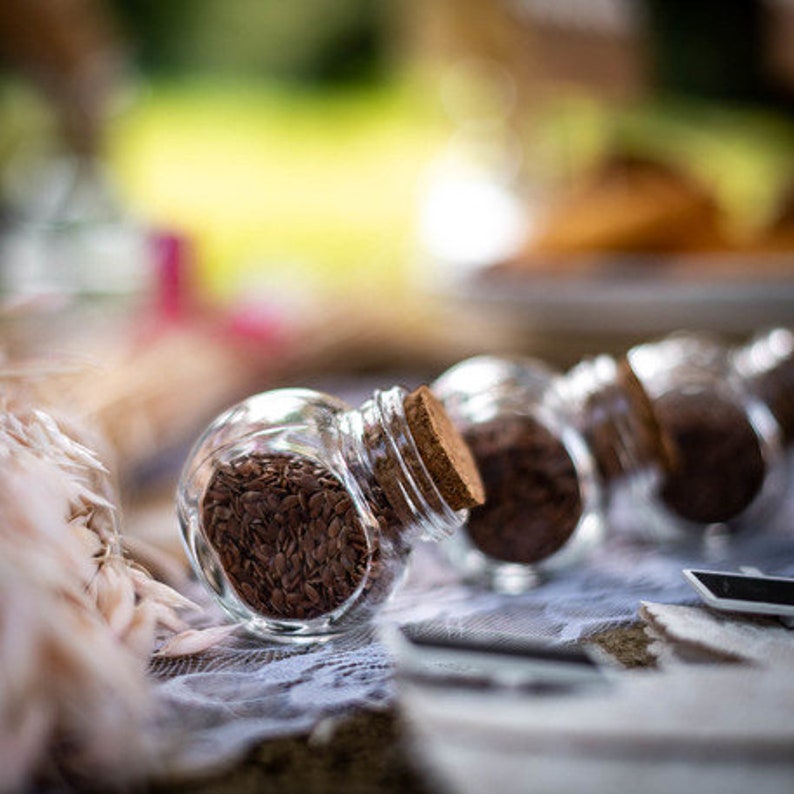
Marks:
<point>244,691</point>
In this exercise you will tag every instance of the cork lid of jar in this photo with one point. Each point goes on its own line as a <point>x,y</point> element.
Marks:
<point>443,450</point>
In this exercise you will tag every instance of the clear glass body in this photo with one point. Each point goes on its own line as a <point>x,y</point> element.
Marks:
<point>543,507</point>
<point>612,411</point>
<point>299,512</point>
<point>766,364</point>
<point>725,469</point>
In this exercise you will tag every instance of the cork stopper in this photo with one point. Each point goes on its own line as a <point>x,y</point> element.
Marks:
<point>652,441</point>
<point>443,450</point>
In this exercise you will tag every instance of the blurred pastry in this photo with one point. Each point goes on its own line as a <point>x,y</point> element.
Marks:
<point>778,237</point>
<point>630,206</point>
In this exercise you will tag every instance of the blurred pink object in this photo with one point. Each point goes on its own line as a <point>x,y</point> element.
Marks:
<point>174,263</point>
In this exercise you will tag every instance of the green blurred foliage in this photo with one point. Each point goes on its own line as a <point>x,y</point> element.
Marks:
<point>308,41</point>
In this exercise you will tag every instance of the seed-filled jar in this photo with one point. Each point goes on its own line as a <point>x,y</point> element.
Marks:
<point>299,512</point>
<point>543,509</point>
<point>725,468</point>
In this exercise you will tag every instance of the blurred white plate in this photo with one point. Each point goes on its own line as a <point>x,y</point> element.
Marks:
<point>709,729</point>
<point>637,296</point>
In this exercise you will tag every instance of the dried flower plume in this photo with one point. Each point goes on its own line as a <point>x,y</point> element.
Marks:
<point>78,620</point>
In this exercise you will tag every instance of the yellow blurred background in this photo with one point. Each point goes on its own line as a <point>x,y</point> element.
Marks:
<point>278,188</point>
<point>367,149</point>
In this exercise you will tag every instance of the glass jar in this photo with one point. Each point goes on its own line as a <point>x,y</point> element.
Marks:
<point>299,512</point>
<point>724,470</point>
<point>544,501</point>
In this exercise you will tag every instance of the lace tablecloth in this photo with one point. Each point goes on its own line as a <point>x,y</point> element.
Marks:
<point>244,691</point>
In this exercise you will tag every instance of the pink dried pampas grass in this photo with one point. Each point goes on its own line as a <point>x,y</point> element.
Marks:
<point>78,620</point>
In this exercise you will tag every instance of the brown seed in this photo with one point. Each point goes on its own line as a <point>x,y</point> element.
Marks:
<point>316,503</point>
<point>307,482</point>
<point>719,464</point>
<point>288,551</point>
<point>534,502</point>
<point>290,501</point>
<point>314,596</point>
<point>307,543</point>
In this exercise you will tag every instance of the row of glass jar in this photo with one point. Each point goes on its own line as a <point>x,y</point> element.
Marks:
<point>299,512</point>
<point>687,435</point>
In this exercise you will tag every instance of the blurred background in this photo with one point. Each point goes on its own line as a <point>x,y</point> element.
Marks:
<point>199,199</point>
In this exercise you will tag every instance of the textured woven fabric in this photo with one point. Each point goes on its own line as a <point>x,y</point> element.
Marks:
<point>244,691</point>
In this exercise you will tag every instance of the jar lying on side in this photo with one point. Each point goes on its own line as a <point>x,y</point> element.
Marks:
<point>725,469</point>
<point>543,509</point>
<point>299,512</point>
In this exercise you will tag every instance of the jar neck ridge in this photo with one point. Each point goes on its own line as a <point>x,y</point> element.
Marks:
<point>766,365</point>
<point>377,444</point>
<point>615,416</point>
